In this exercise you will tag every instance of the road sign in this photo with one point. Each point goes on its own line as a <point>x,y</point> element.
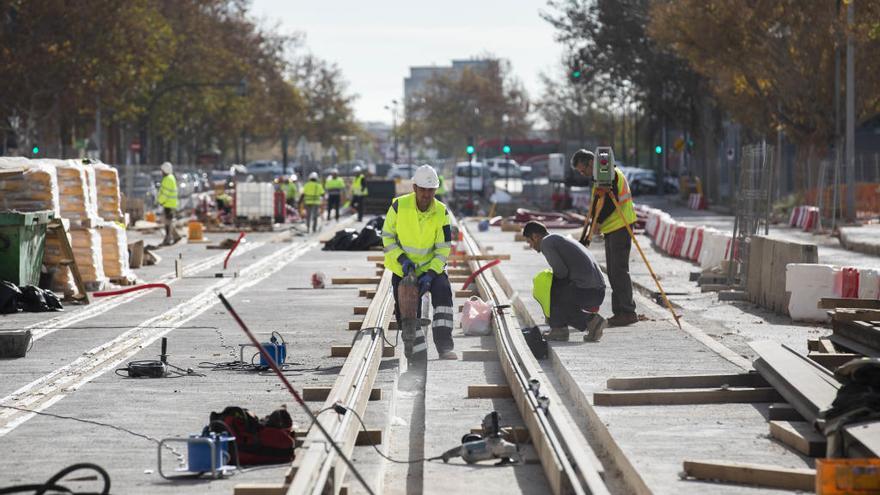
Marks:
<point>135,146</point>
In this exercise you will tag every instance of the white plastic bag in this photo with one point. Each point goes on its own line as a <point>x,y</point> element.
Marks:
<point>476,317</point>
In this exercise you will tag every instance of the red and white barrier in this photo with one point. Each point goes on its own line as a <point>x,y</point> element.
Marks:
<point>809,282</point>
<point>804,217</point>
<point>701,244</point>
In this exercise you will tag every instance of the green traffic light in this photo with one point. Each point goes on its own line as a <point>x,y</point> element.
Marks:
<point>35,150</point>
<point>576,74</point>
<point>470,150</point>
<point>506,149</point>
<point>658,149</point>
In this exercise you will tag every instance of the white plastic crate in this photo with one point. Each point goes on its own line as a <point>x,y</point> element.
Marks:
<point>254,200</point>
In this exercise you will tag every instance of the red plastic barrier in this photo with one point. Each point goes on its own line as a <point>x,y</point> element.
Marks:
<point>694,254</point>
<point>850,286</point>
<point>226,260</point>
<point>476,273</point>
<point>133,289</point>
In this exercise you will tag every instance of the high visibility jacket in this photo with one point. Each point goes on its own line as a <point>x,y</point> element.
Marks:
<point>336,185</point>
<point>441,189</point>
<point>425,237</point>
<point>168,192</point>
<point>358,187</point>
<point>624,198</point>
<point>541,285</point>
<point>291,190</point>
<point>313,191</point>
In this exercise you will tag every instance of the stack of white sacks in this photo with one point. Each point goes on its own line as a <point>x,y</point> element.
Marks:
<point>704,245</point>
<point>808,283</point>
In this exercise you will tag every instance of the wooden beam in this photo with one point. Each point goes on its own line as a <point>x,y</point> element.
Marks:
<point>369,437</point>
<point>465,293</point>
<point>344,350</point>
<point>259,489</point>
<point>834,303</point>
<point>783,412</point>
<point>479,355</point>
<point>313,394</point>
<point>825,345</point>
<point>360,310</point>
<point>488,392</point>
<point>752,474</point>
<point>355,324</point>
<point>354,280</point>
<point>686,396</point>
<point>832,361</point>
<point>800,436</point>
<point>856,314</point>
<point>368,293</point>
<point>686,381</point>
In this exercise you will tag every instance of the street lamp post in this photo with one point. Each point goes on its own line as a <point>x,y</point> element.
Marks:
<point>393,109</point>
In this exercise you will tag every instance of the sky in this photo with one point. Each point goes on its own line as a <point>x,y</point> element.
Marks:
<point>375,42</point>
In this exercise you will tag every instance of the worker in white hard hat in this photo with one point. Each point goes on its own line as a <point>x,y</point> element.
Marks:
<point>358,192</point>
<point>312,195</point>
<point>335,187</point>
<point>417,237</point>
<point>167,200</point>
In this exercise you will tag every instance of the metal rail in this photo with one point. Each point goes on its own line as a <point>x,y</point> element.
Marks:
<point>569,462</point>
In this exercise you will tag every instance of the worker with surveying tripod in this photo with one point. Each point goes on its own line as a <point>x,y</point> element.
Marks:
<point>609,180</point>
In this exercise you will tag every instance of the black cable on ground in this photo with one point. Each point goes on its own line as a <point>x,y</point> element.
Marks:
<point>41,489</point>
<point>381,332</point>
<point>341,409</point>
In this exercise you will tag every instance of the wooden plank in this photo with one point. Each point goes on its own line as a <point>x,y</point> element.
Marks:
<point>783,412</point>
<point>512,227</point>
<point>837,302</point>
<point>832,361</point>
<point>686,381</point>
<point>354,280</point>
<point>465,293</point>
<point>458,280</point>
<point>752,474</point>
<point>368,293</point>
<point>479,355</point>
<point>369,437</point>
<point>800,436</point>
<point>360,310</point>
<point>686,396</point>
<point>846,314</point>
<point>344,350</point>
<point>313,394</point>
<point>259,489</point>
<point>857,336</point>
<point>355,324</point>
<point>490,391</point>
<point>825,345</point>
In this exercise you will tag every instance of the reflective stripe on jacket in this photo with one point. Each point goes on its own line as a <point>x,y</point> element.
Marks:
<point>541,285</point>
<point>313,191</point>
<point>624,198</point>
<point>425,238</point>
<point>168,192</point>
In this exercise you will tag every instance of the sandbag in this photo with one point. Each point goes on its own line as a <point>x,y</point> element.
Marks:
<point>10,296</point>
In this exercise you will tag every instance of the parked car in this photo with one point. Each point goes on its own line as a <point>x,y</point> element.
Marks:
<point>500,168</point>
<point>144,187</point>
<point>401,171</point>
<point>266,169</point>
<point>643,181</point>
<point>471,176</point>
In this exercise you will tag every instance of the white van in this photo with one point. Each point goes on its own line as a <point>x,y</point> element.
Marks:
<point>470,176</point>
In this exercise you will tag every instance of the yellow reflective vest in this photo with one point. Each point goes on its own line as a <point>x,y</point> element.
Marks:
<point>168,192</point>
<point>313,191</point>
<point>357,186</point>
<point>336,184</point>
<point>291,190</point>
<point>425,237</point>
<point>624,198</point>
<point>541,285</point>
<point>441,189</point>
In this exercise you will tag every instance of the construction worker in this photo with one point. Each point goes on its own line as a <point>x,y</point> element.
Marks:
<point>572,291</point>
<point>312,194</point>
<point>358,192</point>
<point>167,199</point>
<point>418,238</point>
<point>618,242</point>
<point>335,187</point>
<point>291,190</point>
<point>441,190</point>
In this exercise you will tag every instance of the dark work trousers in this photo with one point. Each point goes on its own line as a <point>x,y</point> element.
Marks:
<point>312,214</point>
<point>571,305</point>
<point>441,299</point>
<point>357,202</point>
<point>617,247</point>
<point>171,235</point>
<point>333,201</point>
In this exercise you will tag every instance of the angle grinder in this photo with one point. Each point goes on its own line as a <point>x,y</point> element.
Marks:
<point>486,446</point>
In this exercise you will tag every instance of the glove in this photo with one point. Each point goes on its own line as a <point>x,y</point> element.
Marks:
<point>408,265</point>
<point>425,282</point>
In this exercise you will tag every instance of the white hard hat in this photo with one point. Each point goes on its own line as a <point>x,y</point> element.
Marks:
<point>293,177</point>
<point>426,177</point>
<point>166,167</point>
<point>357,169</point>
<point>313,175</point>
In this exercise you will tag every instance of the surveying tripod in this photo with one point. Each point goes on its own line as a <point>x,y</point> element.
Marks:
<point>590,227</point>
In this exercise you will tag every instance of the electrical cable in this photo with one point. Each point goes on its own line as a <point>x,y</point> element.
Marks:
<point>42,488</point>
<point>381,332</point>
<point>341,409</point>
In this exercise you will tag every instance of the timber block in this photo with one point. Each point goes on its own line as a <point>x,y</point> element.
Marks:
<point>479,355</point>
<point>783,411</point>
<point>465,293</point>
<point>320,394</point>
<point>260,489</point>
<point>368,293</point>
<point>360,310</point>
<point>345,350</point>
<point>489,392</point>
<point>354,280</point>
<point>832,360</point>
<point>800,436</point>
<point>686,396</point>
<point>369,437</point>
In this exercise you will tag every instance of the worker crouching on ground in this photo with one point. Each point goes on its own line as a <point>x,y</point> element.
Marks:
<point>313,193</point>
<point>572,292</point>
<point>335,187</point>
<point>167,199</point>
<point>417,237</point>
<point>618,243</point>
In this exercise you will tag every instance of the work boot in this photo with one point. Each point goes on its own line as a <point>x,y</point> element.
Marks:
<point>595,326</point>
<point>558,334</point>
<point>449,355</point>
<point>623,320</point>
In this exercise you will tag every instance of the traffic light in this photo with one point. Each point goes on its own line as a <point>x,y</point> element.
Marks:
<point>658,149</point>
<point>506,149</point>
<point>470,147</point>
<point>35,150</point>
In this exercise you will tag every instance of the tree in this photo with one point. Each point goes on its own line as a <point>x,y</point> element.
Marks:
<point>481,103</point>
<point>328,113</point>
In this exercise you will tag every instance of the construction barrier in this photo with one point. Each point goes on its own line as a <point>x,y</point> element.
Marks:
<point>768,261</point>
<point>808,283</point>
<point>804,217</point>
<point>703,245</point>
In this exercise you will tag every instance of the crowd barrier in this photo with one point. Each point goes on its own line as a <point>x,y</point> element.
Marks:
<point>809,282</point>
<point>804,217</point>
<point>703,245</point>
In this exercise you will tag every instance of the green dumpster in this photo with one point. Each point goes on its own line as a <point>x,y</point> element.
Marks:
<point>22,241</point>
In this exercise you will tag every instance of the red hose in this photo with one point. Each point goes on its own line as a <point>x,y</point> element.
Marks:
<point>225,261</point>
<point>481,270</point>
<point>132,289</point>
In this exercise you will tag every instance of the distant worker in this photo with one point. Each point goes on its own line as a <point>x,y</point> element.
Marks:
<point>417,237</point>
<point>441,190</point>
<point>572,292</point>
<point>291,190</point>
<point>358,192</point>
<point>312,194</point>
<point>335,187</point>
<point>617,240</point>
<point>168,201</point>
